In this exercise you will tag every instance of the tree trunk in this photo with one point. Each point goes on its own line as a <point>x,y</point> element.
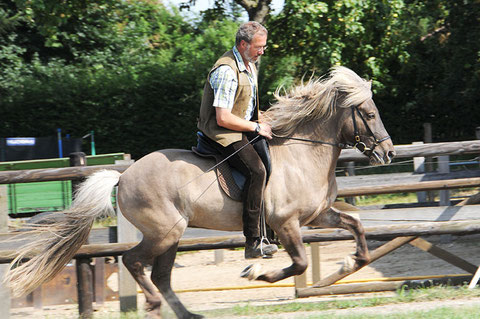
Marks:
<point>258,10</point>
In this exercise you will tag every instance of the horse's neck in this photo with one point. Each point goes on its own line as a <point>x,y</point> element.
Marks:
<point>313,156</point>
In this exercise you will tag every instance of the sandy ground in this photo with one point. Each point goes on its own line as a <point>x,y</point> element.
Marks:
<point>197,270</point>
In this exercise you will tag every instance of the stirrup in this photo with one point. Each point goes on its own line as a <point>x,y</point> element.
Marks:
<point>262,249</point>
<point>267,250</point>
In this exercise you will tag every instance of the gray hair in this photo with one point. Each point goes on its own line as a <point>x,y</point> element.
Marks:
<point>247,30</point>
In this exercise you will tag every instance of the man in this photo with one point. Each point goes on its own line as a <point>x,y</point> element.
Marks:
<point>229,113</point>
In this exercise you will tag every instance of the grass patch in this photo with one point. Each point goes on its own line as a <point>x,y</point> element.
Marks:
<point>407,198</point>
<point>104,222</point>
<point>403,296</point>
<point>469,312</point>
<point>385,199</point>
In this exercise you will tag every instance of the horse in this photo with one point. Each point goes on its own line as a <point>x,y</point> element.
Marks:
<point>167,190</point>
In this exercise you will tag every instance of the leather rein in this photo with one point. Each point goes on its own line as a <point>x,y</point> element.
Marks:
<point>359,145</point>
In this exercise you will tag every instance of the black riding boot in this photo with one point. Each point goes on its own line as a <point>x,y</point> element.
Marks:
<point>254,248</point>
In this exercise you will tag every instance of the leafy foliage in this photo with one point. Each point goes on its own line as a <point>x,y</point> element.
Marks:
<point>139,93</point>
<point>133,71</point>
<point>412,50</point>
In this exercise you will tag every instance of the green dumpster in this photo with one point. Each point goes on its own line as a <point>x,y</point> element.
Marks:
<point>28,199</point>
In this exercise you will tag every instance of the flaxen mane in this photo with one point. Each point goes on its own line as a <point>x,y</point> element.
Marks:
<point>317,99</point>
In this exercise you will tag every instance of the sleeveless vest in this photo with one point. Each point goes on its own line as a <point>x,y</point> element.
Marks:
<point>207,122</point>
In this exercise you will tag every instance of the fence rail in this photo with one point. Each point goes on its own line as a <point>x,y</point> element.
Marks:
<point>309,236</point>
<point>72,173</point>
<point>421,150</point>
<point>372,232</point>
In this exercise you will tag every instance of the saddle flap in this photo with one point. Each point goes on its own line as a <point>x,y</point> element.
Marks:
<point>225,176</point>
<point>231,180</point>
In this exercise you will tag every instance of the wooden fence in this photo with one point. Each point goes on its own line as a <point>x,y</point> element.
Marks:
<point>419,181</point>
<point>410,183</point>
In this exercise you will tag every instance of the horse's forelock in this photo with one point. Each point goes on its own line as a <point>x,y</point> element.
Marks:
<point>357,90</point>
<point>317,99</point>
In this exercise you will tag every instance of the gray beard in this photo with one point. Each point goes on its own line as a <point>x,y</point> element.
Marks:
<point>247,55</point>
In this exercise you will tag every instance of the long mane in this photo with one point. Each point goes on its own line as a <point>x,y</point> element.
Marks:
<point>317,99</point>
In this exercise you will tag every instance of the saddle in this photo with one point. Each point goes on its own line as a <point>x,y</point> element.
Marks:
<point>231,181</point>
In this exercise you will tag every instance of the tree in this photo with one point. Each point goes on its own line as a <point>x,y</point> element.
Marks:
<point>139,93</point>
<point>419,54</point>
<point>258,10</point>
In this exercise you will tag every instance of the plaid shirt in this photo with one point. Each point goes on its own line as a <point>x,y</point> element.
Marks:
<point>224,84</point>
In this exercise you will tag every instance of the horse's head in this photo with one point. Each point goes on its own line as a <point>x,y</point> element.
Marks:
<point>341,98</point>
<point>363,128</point>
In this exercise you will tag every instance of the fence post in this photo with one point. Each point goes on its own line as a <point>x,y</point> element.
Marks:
<point>315,251</point>
<point>99,275</point>
<point>77,159</point>
<point>301,280</point>
<point>350,171</point>
<point>84,287</point>
<point>443,167</point>
<point>4,291</point>
<point>82,265</point>
<point>477,135</point>
<point>419,167</point>
<point>127,286</point>
<point>427,138</point>
<point>126,233</point>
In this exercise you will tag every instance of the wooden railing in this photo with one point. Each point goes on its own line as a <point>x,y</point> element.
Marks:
<point>410,183</point>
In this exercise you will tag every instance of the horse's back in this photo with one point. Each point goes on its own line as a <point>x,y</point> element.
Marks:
<point>173,181</point>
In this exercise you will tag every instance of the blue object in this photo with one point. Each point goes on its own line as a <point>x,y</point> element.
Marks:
<point>60,146</point>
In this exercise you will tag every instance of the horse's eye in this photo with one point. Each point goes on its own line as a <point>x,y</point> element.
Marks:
<point>371,115</point>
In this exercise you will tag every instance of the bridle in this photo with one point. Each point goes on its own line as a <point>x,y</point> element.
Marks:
<point>358,144</point>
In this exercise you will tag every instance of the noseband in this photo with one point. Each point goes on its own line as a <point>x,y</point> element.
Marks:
<point>359,145</point>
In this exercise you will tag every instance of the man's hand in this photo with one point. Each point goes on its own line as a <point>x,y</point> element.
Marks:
<point>226,119</point>
<point>265,130</point>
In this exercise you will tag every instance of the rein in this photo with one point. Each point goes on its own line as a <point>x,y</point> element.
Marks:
<point>339,145</point>
<point>359,145</point>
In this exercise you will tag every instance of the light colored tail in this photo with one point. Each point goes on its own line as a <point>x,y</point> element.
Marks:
<point>57,243</point>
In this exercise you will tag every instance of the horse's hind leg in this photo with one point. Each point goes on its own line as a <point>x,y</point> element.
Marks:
<point>135,260</point>
<point>332,218</point>
<point>161,276</point>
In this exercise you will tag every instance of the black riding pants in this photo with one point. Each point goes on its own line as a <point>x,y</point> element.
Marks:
<point>248,162</point>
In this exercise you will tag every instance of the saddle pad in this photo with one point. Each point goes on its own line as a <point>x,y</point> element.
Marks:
<point>224,176</point>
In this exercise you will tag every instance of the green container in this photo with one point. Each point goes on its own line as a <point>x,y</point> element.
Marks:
<point>27,199</point>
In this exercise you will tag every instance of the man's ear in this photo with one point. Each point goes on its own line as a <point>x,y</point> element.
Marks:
<point>243,44</point>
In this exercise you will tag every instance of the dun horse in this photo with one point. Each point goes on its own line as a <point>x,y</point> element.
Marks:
<point>168,190</point>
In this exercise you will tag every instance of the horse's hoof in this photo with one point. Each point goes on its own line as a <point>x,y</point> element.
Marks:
<point>252,272</point>
<point>361,261</point>
<point>348,264</point>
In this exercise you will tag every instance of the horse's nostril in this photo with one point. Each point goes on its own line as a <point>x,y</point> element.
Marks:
<point>391,154</point>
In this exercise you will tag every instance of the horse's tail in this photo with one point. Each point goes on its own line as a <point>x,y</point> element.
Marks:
<point>59,240</point>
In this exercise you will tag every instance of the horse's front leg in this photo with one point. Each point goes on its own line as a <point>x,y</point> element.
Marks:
<point>291,238</point>
<point>333,218</point>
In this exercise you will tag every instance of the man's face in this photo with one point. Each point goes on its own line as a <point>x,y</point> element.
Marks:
<point>255,48</point>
